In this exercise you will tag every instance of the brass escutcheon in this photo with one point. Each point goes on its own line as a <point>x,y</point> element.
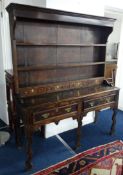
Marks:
<point>45,115</point>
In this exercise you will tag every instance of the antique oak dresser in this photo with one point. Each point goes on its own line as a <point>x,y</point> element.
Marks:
<point>58,68</point>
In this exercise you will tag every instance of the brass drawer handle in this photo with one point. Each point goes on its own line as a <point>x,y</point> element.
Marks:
<point>45,115</point>
<point>57,87</point>
<point>68,109</point>
<point>32,90</point>
<point>107,100</point>
<point>91,104</point>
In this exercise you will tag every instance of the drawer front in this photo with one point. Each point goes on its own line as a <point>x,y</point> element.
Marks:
<point>44,115</point>
<point>93,103</point>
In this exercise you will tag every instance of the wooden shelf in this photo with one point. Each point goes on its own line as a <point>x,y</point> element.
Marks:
<point>54,44</point>
<point>98,78</point>
<point>44,67</point>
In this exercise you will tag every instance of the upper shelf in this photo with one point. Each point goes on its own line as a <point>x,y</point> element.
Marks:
<point>53,44</point>
<point>44,67</point>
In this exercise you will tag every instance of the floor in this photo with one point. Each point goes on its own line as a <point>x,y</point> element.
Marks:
<point>47,152</point>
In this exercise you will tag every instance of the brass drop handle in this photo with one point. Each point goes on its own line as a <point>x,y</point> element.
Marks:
<point>45,115</point>
<point>91,104</point>
<point>107,100</point>
<point>32,90</point>
<point>68,109</point>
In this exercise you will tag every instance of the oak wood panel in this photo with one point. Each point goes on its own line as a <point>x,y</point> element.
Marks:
<point>69,34</point>
<point>44,32</point>
<point>36,56</point>
<point>19,31</point>
<point>68,55</point>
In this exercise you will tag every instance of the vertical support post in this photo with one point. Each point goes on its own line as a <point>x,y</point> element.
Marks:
<point>96,116</point>
<point>28,133</point>
<point>17,123</point>
<point>79,120</point>
<point>112,130</point>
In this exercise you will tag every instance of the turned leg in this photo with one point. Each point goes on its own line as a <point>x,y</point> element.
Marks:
<point>28,162</point>
<point>113,122</point>
<point>43,131</point>
<point>79,120</point>
<point>10,115</point>
<point>96,116</point>
<point>17,130</point>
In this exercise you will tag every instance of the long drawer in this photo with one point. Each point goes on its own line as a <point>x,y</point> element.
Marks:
<point>43,115</point>
<point>100,101</point>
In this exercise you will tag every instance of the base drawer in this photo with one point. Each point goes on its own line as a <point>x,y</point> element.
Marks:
<point>99,101</point>
<point>42,115</point>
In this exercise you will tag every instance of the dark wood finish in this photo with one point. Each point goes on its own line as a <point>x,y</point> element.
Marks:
<point>59,67</point>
